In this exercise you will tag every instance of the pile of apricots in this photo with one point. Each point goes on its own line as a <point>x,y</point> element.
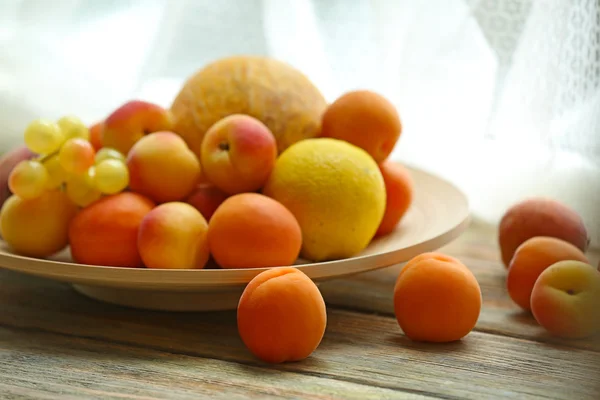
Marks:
<point>182,188</point>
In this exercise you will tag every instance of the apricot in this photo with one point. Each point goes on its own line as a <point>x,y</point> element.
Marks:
<point>206,198</point>
<point>8,161</point>
<point>106,232</point>
<point>163,168</point>
<point>565,299</point>
<point>238,154</point>
<point>436,298</point>
<point>399,188</point>
<point>531,258</point>
<point>539,217</point>
<point>96,135</point>
<point>272,91</point>
<point>37,227</point>
<point>251,230</point>
<point>366,119</point>
<point>131,121</point>
<point>281,315</point>
<point>173,235</point>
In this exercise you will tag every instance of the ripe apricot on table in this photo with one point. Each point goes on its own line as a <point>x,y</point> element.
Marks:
<point>106,232</point>
<point>399,195</point>
<point>539,217</point>
<point>436,299</point>
<point>281,315</point>
<point>251,230</point>
<point>530,259</point>
<point>566,298</point>
<point>366,119</point>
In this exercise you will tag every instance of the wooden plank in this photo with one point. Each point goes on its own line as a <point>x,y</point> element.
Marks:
<point>41,365</point>
<point>363,349</point>
<point>373,291</point>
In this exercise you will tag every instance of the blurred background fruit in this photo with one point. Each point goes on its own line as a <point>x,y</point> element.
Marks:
<point>539,216</point>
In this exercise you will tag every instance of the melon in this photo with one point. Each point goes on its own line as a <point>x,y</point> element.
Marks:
<point>274,92</point>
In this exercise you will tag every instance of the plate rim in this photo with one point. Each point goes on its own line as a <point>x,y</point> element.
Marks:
<point>207,278</point>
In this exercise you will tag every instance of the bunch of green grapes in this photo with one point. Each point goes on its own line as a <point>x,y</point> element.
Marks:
<point>66,160</point>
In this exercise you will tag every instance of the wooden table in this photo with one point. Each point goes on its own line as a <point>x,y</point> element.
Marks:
<point>54,343</point>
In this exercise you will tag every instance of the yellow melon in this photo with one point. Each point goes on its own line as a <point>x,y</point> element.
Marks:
<point>270,90</point>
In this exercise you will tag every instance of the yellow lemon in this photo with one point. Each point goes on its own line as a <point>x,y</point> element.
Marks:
<point>336,192</point>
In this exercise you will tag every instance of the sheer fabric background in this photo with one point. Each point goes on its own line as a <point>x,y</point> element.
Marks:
<point>500,97</point>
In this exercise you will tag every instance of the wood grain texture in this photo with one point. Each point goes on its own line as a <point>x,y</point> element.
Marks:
<point>362,349</point>
<point>39,365</point>
<point>55,342</point>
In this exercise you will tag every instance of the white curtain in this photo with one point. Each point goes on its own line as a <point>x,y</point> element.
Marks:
<point>500,97</point>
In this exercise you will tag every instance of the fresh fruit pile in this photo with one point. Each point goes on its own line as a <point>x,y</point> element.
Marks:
<point>64,158</point>
<point>542,244</point>
<point>250,167</point>
<point>249,170</point>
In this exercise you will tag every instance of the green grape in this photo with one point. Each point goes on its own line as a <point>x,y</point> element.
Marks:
<point>112,176</point>
<point>106,153</point>
<point>73,127</point>
<point>43,137</point>
<point>81,189</point>
<point>56,173</point>
<point>28,179</point>
<point>77,156</point>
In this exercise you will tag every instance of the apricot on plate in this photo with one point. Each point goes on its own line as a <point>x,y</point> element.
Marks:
<point>37,227</point>
<point>436,299</point>
<point>238,154</point>
<point>106,232</point>
<point>251,230</point>
<point>173,235</point>
<point>399,188</point>
<point>566,299</point>
<point>131,121</point>
<point>281,315</point>
<point>531,258</point>
<point>366,119</point>
<point>206,198</point>
<point>539,217</point>
<point>96,135</point>
<point>163,168</point>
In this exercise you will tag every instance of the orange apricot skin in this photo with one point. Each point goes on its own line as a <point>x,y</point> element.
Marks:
<point>251,230</point>
<point>399,191</point>
<point>281,315</point>
<point>366,119</point>
<point>106,232</point>
<point>96,135</point>
<point>539,217</point>
<point>436,299</point>
<point>530,259</point>
<point>566,298</point>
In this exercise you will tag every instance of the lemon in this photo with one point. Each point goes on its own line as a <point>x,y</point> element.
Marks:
<point>336,192</point>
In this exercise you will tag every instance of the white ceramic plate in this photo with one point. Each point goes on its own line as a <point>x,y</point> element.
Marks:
<point>439,214</point>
